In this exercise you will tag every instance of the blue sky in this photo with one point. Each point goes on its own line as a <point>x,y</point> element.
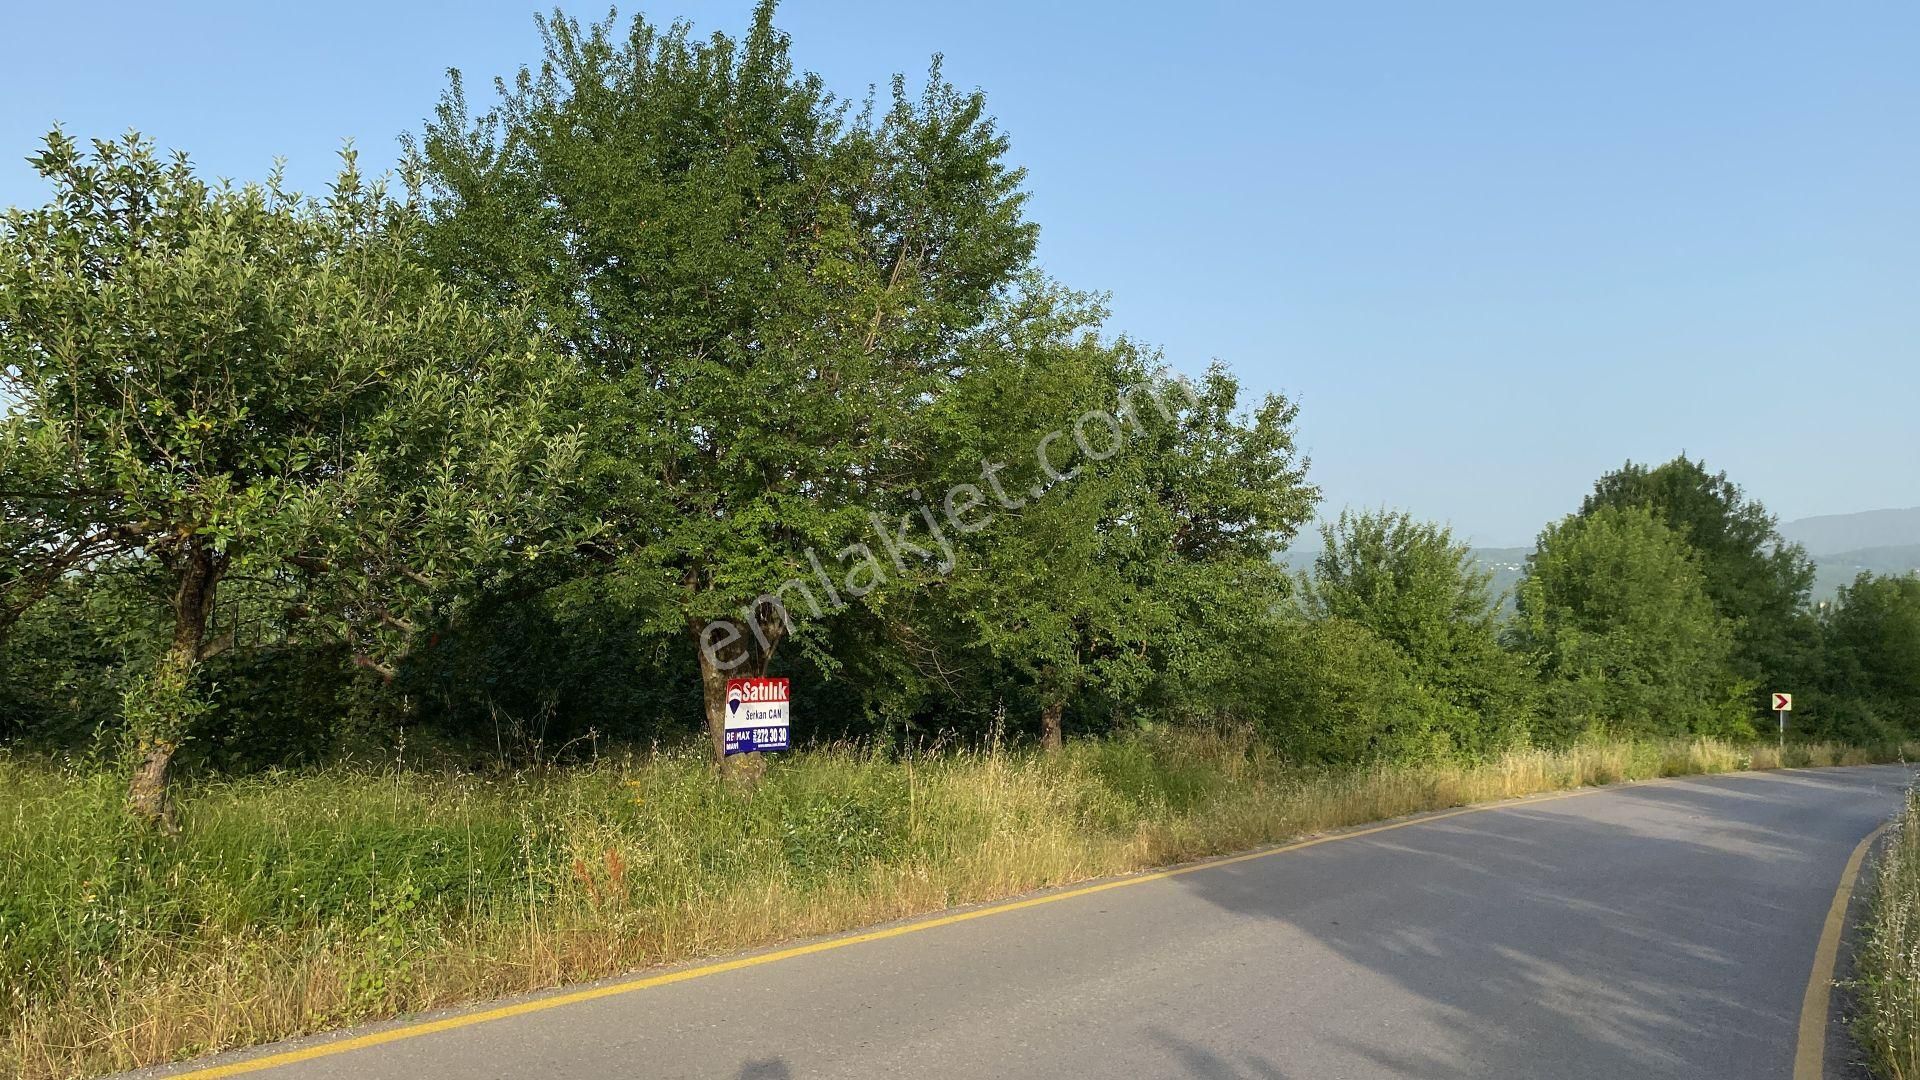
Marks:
<point>1492,249</point>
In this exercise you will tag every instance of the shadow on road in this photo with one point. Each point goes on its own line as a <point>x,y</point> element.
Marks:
<point>1198,1061</point>
<point>1659,931</point>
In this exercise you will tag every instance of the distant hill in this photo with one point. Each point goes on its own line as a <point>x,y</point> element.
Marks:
<point>1833,571</point>
<point>1842,545</point>
<point>1848,534</point>
<point>1845,545</point>
<point>1504,563</point>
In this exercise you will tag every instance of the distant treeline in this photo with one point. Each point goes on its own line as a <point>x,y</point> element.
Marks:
<point>672,367</point>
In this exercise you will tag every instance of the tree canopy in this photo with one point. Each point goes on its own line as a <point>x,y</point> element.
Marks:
<point>767,291</point>
<point>1412,585</point>
<point>1754,577</point>
<point>1614,608</point>
<point>233,383</point>
<point>669,366</point>
<point>1868,682</point>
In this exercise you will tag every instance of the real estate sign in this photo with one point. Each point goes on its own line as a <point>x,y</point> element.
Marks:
<point>757,715</point>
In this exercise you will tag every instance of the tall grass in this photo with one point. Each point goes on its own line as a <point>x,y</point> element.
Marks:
<point>1887,963</point>
<point>298,902</point>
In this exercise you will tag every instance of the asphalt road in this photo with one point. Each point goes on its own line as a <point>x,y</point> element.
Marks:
<point>1663,930</point>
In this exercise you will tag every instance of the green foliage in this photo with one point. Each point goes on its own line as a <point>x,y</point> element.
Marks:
<point>1216,497</point>
<point>1412,586</point>
<point>671,335</point>
<point>163,704</point>
<point>1868,680</point>
<point>802,319</point>
<point>1330,690</point>
<point>383,863</point>
<point>673,338</point>
<point>1756,580</point>
<point>1615,610</point>
<point>770,292</point>
<point>69,658</point>
<point>531,675</point>
<point>216,383</point>
<point>1133,582</point>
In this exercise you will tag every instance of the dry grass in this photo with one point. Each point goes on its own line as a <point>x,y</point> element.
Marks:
<point>1887,963</point>
<point>301,902</point>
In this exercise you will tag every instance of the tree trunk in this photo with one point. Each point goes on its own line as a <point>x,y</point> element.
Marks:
<point>147,791</point>
<point>160,732</point>
<point>713,694</point>
<point>741,657</point>
<point>1051,739</point>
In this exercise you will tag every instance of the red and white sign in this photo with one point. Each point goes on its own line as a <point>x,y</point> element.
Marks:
<point>1783,703</point>
<point>757,715</point>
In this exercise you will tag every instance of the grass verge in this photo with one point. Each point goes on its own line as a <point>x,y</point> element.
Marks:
<point>1887,960</point>
<point>299,902</point>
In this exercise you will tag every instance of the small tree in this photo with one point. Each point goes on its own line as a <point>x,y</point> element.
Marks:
<point>226,382</point>
<point>1753,576</point>
<point>1615,610</point>
<point>1219,491</point>
<point>1029,591</point>
<point>1126,572</point>
<point>1415,587</point>
<point>1406,580</point>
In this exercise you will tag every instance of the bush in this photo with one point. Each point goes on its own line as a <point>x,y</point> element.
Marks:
<point>1330,691</point>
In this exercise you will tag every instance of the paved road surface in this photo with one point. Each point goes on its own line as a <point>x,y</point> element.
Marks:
<point>1663,930</point>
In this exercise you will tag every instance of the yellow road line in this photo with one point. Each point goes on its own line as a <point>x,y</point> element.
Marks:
<point>429,1027</point>
<point>1810,1056</point>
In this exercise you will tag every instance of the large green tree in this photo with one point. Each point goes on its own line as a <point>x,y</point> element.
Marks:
<point>214,384</point>
<point>1754,577</point>
<point>769,290</point>
<point>1223,490</point>
<point>1870,678</point>
<point>1615,611</point>
<point>1027,590</point>
<point>1415,587</point>
<point>1130,572</point>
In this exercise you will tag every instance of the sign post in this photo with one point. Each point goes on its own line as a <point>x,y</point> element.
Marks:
<point>1783,704</point>
<point>757,715</point>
